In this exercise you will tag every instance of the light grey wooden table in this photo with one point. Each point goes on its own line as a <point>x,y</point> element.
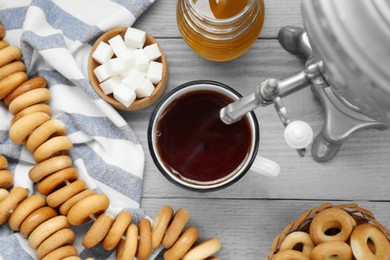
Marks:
<point>249,214</point>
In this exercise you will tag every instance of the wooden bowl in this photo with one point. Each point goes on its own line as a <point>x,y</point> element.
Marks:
<point>138,103</point>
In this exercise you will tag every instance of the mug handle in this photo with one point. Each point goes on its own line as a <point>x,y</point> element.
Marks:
<point>264,166</point>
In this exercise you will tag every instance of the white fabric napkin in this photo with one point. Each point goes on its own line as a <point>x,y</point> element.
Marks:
<point>55,38</point>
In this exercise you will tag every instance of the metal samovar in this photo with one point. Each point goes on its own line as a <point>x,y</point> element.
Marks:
<point>346,44</point>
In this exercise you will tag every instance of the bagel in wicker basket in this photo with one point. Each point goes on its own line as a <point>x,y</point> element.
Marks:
<point>303,222</point>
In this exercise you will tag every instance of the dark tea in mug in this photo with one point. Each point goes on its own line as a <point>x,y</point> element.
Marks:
<point>195,144</point>
<point>190,144</point>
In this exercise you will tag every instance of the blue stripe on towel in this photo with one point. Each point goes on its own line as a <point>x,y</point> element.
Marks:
<point>72,27</point>
<point>129,134</point>
<point>44,42</point>
<point>31,42</point>
<point>10,247</point>
<point>3,135</point>
<point>96,252</point>
<point>13,18</point>
<point>8,148</point>
<point>92,126</point>
<point>54,78</point>
<point>84,83</point>
<point>136,213</point>
<point>114,177</point>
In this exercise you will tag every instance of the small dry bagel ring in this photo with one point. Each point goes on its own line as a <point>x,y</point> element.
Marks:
<point>183,244</point>
<point>35,219</point>
<point>144,248</point>
<point>45,168</point>
<point>127,248</point>
<point>91,205</point>
<point>67,205</point>
<point>35,96</point>
<point>3,163</point>
<point>160,224</point>
<point>68,191</point>
<point>295,238</point>
<point>24,209</point>
<point>353,221</point>
<point>41,134</point>
<point>61,253</point>
<point>44,108</point>
<point>38,82</point>
<point>98,230</point>
<point>9,54</point>
<point>60,238</point>
<point>46,229</point>
<point>204,249</point>
<point>2,32</point>
<point>328,219</point>
<point>290,255</point>
<point>22,128</point>
<point>11,82</point>
<point>16,66</point>
<point>118,228</point>
<point>3,194</point>
<point>17,195</point>
<point>3,44</point>
<point>6,179</point>
<point>51,182</point>
<point>72,258</point>
<point>365,232</point>
<point>52,147</point>
<point>176,227</point>
<point>332,250</point>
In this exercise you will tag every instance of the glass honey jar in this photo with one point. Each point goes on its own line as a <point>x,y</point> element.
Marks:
<point>220,30</point>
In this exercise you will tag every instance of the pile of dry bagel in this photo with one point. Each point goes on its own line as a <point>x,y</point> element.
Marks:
<point>64,200</point>
<point>335,234</point>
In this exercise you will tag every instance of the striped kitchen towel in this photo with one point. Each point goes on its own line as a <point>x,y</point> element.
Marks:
<point>56,37</point>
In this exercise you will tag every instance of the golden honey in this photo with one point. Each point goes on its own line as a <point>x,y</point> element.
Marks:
<point>220,30</point>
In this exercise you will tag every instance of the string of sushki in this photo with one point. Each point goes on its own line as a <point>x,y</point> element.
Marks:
<point>64,200</point>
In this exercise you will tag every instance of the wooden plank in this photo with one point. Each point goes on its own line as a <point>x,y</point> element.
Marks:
<point>247,227</point>
<point>360,171</point>
<point>160,19</point>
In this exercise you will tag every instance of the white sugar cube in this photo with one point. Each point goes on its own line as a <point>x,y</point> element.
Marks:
<point>103,72</point>
<point>109,85</point>
<point>141,60</point>
<point>154,73</point>
<point>133,79</point>
<point>124,95</point>
<point>117,45</point>
<point>143,73</point>
<point>128,59</point>
<point>123,75</point>
<point>145,89</point>
<point>117,66</point>
<point>102,53</point>
<point>152,51</point>
<point>135,38</point>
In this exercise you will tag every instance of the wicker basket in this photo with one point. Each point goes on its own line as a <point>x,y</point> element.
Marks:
<point>302,223</point>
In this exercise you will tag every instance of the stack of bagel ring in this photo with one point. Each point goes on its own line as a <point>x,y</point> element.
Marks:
<point>335,234</point>
<point>66,200</point>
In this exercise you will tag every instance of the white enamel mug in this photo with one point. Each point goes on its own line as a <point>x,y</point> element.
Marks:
<point>251,162</point>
